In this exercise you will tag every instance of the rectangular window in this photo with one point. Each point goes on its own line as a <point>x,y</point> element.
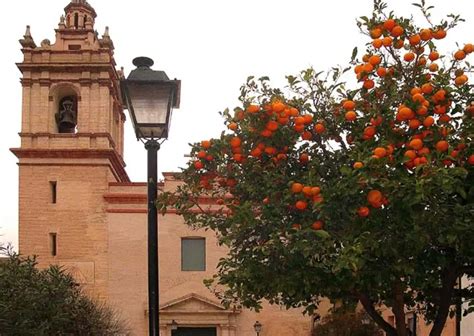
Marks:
<point>53,244</point>
<point>193,254</point>
<point>53,186</point>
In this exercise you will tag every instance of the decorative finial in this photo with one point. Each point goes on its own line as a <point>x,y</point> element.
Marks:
<point>106,33</point>
<point>27,40</point>
<point>143,62</point>
<point>62,19</point>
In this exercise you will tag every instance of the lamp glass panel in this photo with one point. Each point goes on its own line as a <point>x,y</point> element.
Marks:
<point>150,103</point>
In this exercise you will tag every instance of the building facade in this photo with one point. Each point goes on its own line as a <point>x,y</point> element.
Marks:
<point>78,207</point>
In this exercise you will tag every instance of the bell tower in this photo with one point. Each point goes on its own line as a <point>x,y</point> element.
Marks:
<point>71,146</point>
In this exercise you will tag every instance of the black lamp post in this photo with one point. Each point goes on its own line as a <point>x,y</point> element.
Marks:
<point>150,96</point>
<point>257,327</point>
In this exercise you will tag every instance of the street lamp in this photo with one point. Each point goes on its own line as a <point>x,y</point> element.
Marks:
<point>150,96</point>
<point>257,327</point>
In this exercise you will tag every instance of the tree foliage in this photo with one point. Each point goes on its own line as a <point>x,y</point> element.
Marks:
<point>346,323</point>
<point>49,302</point>
<point>361,193</point>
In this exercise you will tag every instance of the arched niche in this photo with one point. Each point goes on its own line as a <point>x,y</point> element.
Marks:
<point>64,109</point>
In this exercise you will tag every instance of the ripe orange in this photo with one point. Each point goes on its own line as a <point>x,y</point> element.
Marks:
<point>439,34</point>
<point>350,116</point>
<point>301,205</point>
<point>398,44</point>
<point>348,105</point>
<point>470,160</point>
<point>409,56</point>
<point>306,135</point>
<point>427,88</point>
<point>459,55</point>
<point>318,225</point>
<point>296,188</point>
<point>304,158</point>
<point>368,84</point>
<point>315,191</point>
<point>375,60</point>
<point>389,24</point>
<point>198,165</point>
<point>411,154</point>
<point>397,31</point>
<point>428,121</point>
<point>278,106</point>
<point>296,226</point>
<point>414,39</point>
<point>414,123</point>
<point>363,211</point>
<point>271,125</point>
<point>377,43</point>
<point>387,41</point>
<point>460,80</point>
<point>358,165</point>
<point>205,144</point>
<point>442,146</point>
<point>434,55</point>
<point>375,197</point>
<point>232,126</point>
<point>319,128</point>
<point>307,190</point>
<point>266,133</point>
<point>381,72</point>
<point>201,154</point>
<point>235,142</point>
<point>425,34</point>
<point>406,113</point>
<point>369,131</point>
<point>380,152</point>
<point>416,143</point>
<point>468,48</point>
<point>376,33</point>
<point>253,108</point>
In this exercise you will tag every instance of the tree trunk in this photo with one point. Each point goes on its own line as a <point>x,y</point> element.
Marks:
<point>376,317</point>
<point>399,308</point>
<point>448,280</point>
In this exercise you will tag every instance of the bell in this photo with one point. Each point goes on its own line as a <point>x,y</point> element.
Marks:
<point>66,120</point>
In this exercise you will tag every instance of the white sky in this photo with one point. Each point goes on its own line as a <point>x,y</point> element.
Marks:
<point>211,45</point>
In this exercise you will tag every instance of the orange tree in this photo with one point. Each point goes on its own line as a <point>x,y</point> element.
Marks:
<point>357,195</point>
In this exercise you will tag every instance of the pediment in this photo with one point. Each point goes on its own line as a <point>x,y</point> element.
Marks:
<point>192,303</point>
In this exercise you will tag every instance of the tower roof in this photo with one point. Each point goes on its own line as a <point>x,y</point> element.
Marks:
<point>80,4</point>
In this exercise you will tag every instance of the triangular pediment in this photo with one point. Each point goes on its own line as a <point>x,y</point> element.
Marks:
<point>192,303</point>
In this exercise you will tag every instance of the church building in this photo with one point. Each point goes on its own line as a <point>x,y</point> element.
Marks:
<point>78,207</point>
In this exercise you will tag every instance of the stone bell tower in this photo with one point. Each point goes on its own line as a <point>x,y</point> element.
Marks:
<point>71,146</point>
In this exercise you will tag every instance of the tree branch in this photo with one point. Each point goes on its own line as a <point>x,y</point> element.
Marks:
<point>448,280</point>
<point>376,317</point>
<point>399,308</point>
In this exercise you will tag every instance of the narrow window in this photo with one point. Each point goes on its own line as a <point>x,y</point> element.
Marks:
<point>193,254</point>
<point>53,244</point>
<point>85,20</point>
<point>76,20</point>
<point>53,185</point>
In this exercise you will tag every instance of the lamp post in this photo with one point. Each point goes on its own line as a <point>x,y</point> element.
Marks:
<point>257,327</point>
<point>150,96</point>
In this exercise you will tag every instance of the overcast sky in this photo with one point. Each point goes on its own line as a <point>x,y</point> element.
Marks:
<point>211,46</point>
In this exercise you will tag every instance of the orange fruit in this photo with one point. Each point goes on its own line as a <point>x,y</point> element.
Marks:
<point>368,84</point>
<point>442,146</point>
<point>256,152</point>
<point>306,135</point>
<point>459,55</point>
<point>358,165</point>
<point>271,125</point>
<point>296,226</point>
<point>350,116</point>
<point>415,90</point>
<point>398,44</point>
<point>377,43</point>
<point>375,197</point>
<point>380,152</point>
<point>369,131</point>
<point>381,72</point>
<point>406,113</point>
<point>470,160</point>
<point>306,190</point>
<point>468,48</point>
<point>433,67</point>
<point>375,60</point>
<point>235,142</point>
<point>428,121</point>
<point>439,34</point>
<point>253,108</point>
<point>232,126</point>
<point>296,188</point>
<point>387,41</point>
<point>376,33</point>
<point>319,128</point>
<point>460,80</point>
<point>414,39</point>
<point>315,191</point>
<point>205,144</point>
<point>278,106</point>
<point>411,154</point>
<point>409,56</point>
<point>348,105</point>
<point>363,211</point>
<point>434,55</point>
<point>198,165</point>
<point>318,225</point>
<point>416,143</point>
<point>201,154</point>
<point>389,24</point>
<point>414,123</point>
<point>397,31</point>
<point>301,205</point>
<point>304,158</point>
<point>425,34</point>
